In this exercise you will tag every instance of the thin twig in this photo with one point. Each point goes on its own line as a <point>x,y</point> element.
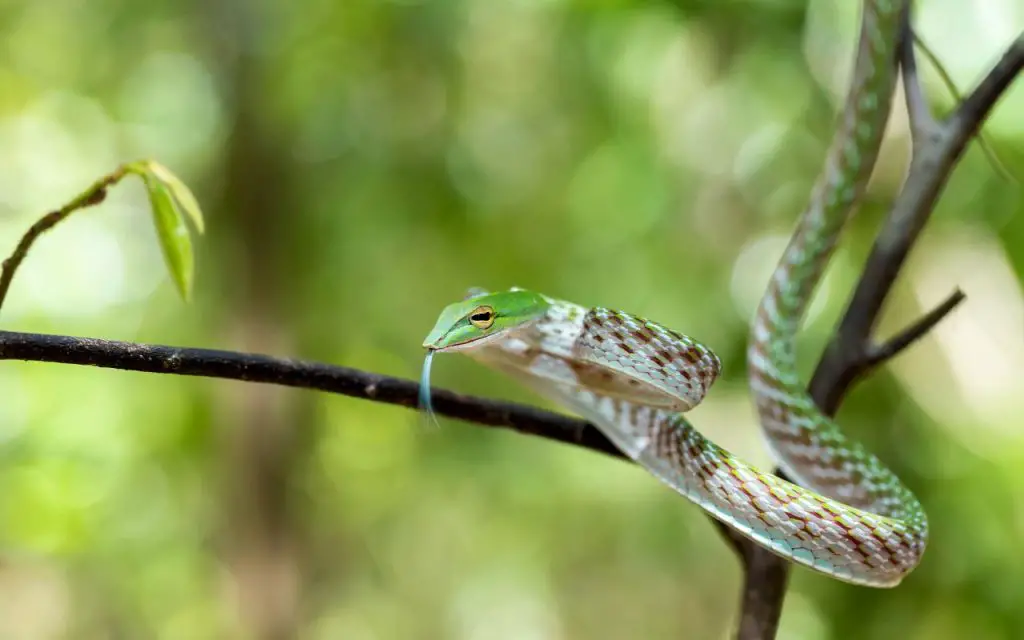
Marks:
<point>859,356</point>
<point>913,333</point>
<point>92,196</point>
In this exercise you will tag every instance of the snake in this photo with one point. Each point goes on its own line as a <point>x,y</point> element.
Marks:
<point>840,511</point>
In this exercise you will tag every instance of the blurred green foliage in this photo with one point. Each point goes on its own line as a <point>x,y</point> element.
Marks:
<point>361,163</point>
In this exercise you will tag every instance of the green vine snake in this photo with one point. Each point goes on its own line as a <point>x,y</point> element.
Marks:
<point>848,515</point>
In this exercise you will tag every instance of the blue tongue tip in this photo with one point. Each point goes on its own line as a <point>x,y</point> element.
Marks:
<point>425,403</point>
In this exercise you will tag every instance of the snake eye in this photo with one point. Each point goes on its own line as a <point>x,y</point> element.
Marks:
<point>482,318</point>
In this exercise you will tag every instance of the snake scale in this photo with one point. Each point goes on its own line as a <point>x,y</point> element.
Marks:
<point>847,515</point>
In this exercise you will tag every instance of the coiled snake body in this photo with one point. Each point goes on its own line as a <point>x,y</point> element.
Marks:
<point>849,516</point>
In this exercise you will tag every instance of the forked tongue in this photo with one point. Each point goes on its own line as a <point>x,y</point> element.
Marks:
<point>424,401</point>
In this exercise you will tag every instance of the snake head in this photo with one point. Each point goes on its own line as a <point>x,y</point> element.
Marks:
<point>484,317</point>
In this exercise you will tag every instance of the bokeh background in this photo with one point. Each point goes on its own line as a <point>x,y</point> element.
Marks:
<point>361,163</point>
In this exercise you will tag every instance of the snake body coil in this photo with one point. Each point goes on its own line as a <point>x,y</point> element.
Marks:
<point>849,517</point>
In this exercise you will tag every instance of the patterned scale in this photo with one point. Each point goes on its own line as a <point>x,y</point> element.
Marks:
<point>852,518</point>
<point>798,524</point>
<point>809,445</point>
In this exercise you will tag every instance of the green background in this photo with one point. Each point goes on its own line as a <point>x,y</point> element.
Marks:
<point>361,163</point>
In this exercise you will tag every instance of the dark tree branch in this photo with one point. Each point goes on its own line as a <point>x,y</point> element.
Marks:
<point>765,580</point>
<point>231,365</point>
<point>304,374</point>
<point>857,356</point>
<point>930,168</point>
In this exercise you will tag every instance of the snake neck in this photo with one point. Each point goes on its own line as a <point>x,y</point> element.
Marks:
<point>850,159</point>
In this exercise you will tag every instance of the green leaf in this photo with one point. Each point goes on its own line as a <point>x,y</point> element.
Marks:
<point>180,191</point>
<point>173,234</point>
